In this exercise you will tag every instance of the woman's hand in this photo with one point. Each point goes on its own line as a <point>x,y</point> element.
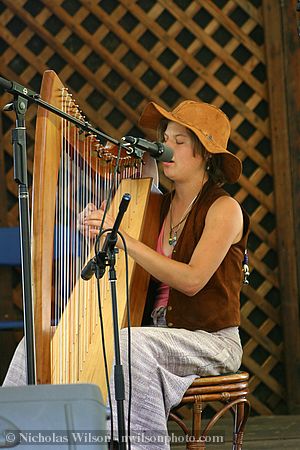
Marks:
<point>92,221</point>
<point>81,226</point>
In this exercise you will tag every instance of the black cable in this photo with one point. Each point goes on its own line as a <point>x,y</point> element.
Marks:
<point>128,341</point>
<point>97,242</point>
<point>96,248</point>
<point>105,360</point>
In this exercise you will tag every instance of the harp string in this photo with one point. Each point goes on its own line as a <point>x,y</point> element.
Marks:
<point>85,177</point>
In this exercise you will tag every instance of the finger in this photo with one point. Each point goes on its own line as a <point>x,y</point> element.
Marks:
<point>90,208</point>
<point>93,232</point>
<point>92,223</point>
<point>103,205</point>
<point>94,215</point>
<point>93,207</point>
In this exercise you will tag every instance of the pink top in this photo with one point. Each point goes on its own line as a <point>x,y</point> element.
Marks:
<point>163,290</point>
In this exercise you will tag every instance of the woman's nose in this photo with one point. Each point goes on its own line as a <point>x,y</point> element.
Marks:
<point>169,142</point>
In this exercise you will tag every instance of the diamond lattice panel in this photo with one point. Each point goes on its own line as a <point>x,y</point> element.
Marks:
<point>114,56</point>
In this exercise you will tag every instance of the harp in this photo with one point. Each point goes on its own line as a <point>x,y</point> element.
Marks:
<point>72,170</point>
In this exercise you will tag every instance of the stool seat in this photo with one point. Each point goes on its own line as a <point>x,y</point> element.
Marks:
<point>229,389</point>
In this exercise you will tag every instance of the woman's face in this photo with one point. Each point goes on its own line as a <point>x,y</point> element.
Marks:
<point>186,163</point>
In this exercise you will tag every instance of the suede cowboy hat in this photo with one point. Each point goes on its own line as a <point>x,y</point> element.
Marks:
<point>210,125</point>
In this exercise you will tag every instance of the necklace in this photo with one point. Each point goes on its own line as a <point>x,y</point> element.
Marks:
<point>174,229</point>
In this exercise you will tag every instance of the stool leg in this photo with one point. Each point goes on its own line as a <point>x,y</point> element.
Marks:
<point>195,443</point>
<point>241,414</point>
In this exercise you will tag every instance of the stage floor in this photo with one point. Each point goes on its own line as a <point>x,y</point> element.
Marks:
<point>262,433</point>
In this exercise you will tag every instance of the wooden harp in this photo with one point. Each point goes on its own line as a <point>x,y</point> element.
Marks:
<point>72,170</point>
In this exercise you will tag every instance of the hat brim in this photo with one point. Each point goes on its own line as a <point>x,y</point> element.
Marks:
<point>231,164</point>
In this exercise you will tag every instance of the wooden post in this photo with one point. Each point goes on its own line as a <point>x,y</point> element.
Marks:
<point>284,107</point>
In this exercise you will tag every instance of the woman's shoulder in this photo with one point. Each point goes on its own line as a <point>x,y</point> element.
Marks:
<point>211,192</point>
<point>221,204</point>
<point>226,209</point>
<point>227,205</point>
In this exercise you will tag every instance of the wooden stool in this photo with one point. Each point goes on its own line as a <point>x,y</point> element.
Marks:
<point>231,390</point>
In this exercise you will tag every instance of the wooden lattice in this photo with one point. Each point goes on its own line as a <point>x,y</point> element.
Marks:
<point>117,55</point>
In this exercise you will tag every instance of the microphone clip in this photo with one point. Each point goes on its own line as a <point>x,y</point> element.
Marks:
<point>104,259</point>
<point>131,149</point>
<point>97,265</point>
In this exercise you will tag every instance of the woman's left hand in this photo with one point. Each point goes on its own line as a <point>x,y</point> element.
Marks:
<point>93,220</point>
<point>90,207</point>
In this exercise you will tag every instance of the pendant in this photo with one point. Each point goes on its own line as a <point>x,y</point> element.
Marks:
<point>172,239</point>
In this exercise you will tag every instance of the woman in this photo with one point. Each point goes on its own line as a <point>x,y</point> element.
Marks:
<point>196,269</point>
<point>197,265</point>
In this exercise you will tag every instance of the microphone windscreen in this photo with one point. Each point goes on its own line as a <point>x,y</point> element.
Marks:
<point>166,156</point>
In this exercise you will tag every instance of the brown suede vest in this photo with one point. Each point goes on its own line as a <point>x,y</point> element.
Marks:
<point>217,305</point>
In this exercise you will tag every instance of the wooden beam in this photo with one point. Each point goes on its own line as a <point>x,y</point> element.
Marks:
<point>292,71</point>
<point>280,122</point>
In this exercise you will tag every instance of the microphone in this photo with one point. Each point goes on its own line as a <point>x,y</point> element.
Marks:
<point>112,237</point>
<point>157,150</point>
<point>109,243</point>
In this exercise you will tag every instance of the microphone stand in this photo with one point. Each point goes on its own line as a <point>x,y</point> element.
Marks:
<point>19,105</point>
<point>118,368</point>
<point>97,265</point>
<point>18,89</point>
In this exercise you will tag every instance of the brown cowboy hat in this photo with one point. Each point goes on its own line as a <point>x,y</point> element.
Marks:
<point>210,125</point>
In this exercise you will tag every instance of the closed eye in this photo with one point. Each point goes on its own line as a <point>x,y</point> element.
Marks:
<point>177,139</point>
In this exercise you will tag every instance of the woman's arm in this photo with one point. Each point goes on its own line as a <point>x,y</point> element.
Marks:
<point>223,227</point>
